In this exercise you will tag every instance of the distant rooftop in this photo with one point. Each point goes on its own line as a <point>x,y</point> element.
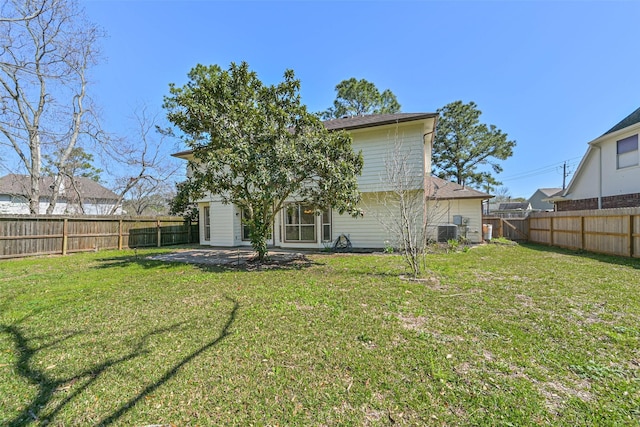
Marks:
<point>18,185</point>
<point>550,191</point>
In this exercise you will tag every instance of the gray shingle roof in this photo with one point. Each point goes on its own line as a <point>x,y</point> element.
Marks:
<point>371,120</point>
<point>443,189</point>
<point>631,119</point>
<point>550,191</point>
<point>357,122</point>
<point>17,185</point>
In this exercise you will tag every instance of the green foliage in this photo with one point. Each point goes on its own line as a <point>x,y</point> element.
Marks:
<point>78,164</point>
<point>359,97</point>
<point>258,146</point>
<point>388,247</point>
<point>462,144</point>
<point>182,203</point>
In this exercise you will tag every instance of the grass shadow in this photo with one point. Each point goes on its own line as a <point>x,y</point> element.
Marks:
<point>610,259</point>
<point>47,385</point>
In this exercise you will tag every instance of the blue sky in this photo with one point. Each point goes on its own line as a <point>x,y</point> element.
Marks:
<point>552,75</point>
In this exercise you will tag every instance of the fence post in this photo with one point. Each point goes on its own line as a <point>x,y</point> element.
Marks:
<point>65,235</point>
<point>189,230</point>
<point>159,233</point>
<point>582,232</point>
<point>551,231</point>
<point>120,234</point>
<point>630,236</point>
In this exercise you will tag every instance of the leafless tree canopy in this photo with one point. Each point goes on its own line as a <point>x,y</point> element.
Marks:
<point>46,49</point>
<point>408,205</point>
<point>144,171</point>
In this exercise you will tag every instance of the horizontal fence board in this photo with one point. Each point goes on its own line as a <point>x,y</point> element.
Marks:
<point>607,231</point>
<point>27,235</point>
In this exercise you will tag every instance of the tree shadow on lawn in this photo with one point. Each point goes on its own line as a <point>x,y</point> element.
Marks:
<point>611,259</point>
<point>47,385</point>
<point>212,265</point>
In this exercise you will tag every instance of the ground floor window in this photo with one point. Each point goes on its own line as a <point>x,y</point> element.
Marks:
<point>206,220</point>
<point>245,229</point>
<point>299,223</point>
<point>326,226</point>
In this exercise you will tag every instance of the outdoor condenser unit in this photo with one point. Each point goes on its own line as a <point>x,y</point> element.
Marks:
<point>447,232</point>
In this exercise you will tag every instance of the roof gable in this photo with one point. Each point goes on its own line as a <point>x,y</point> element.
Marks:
<point>630,120</point>
<point>549,191</point>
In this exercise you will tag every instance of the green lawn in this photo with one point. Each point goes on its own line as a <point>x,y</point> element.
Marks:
<point>502,335</point>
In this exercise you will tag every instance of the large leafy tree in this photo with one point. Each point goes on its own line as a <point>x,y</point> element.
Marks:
<point>257,146</point>
<point>359,97</point>
<point>463,144</point>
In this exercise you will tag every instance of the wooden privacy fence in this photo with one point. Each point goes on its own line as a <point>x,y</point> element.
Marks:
<point>44,234</point>
<point>608,231</point>
<point>516,229</point>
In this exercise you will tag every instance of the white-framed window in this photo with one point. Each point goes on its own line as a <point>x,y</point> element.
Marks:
<point>245,229</point>
<point>326,226</point>
<point>627,152</point>
<point>206,220</point>
<point>299,223</point>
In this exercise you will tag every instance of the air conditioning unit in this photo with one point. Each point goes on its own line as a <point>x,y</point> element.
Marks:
<point>447,232</point>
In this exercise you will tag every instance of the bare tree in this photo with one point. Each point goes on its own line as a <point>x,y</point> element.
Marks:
<point>139,164</point>
<point>9,14</point>
<point>46,49</point>
<point>410,206</point>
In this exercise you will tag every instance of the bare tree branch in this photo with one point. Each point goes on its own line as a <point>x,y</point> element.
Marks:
<point>46,49</point>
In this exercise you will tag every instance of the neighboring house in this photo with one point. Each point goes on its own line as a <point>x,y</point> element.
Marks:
<point>82,196</point>
<point>377,136</point>
<point>609,173</point>
<point>511,210</point>
<point>540,199</point>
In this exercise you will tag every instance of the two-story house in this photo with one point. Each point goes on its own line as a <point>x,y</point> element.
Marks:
<point>609,174</point>
<point>380,138</point>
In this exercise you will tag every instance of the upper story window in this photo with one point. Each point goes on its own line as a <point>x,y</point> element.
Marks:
<point>627,150</point>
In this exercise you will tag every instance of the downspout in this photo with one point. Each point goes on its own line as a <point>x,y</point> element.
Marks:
<point>427,174</point>
<point>599,177</point>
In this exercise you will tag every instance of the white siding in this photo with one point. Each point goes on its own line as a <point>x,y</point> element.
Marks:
<point>222,224</point>
<point>586,182</point>
<point>442,212</point>
<point>15,206</point>
<point>370,230</point>
<point>367,231</point>
<point>618,181</point>
<point>377,145</point>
